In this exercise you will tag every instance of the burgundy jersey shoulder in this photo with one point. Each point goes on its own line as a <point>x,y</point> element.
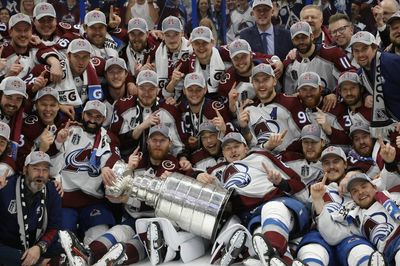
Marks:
<point>337,56</point>
<point>289,156</point>
<point>199,155</point>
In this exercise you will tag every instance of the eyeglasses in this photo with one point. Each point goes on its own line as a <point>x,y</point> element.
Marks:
<point>339,30</point>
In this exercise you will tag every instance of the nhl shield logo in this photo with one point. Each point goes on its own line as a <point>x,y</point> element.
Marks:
<point>12,207</point>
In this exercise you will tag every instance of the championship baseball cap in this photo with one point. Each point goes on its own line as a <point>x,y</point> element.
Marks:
<point>201,33</point>
<point>333,150</point>
<point>5,130</point>
<point>311,131</point>
<point>309,79</point>
<point>194,79</point>
<point>171,23</point>
<point>300,27</point>
<point>37,157</point>
<point>147,76</point>
<point>95,17</point>
<point>364,37</point>
<point>137,24</point>
<point>239,46</point>
<point>19,17</point>
<point>233,136</point>
<point>261,2</point>
<point>348,76</point>
<point>394,17</point>
<point>359,126</point>
<point>13,85</point>
<point>115,61</point>
<point>160,128</point>
<point>263,68</point>
<point>96,105</point>
<point>44,10</point>
<point>207,126</point>
<point>79,45</point>
<point>357,177</point>
<point>47,91</point>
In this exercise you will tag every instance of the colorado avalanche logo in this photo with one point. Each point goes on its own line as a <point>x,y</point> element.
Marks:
<point>73,163</point>
<point>217,105</point>
<point>237,176</point>
<point>168,165</point>
<point>378,228</point>
<point>224,77</point>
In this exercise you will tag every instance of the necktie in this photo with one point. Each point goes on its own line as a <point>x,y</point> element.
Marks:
<point>264,41</point>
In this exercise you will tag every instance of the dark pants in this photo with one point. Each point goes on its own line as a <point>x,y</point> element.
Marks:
<point>10,256</point>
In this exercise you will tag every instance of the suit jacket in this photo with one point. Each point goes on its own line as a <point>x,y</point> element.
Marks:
<point>282,40</point>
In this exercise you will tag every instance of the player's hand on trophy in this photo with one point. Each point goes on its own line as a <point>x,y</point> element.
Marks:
<point>205,178</point>
<point>108,176</point>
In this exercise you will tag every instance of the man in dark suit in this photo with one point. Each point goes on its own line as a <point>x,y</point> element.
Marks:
<point>264,37</point>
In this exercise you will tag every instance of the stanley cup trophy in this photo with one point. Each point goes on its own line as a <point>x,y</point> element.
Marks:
<point>195,207</point>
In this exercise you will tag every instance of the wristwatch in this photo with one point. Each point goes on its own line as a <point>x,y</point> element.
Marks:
<point>42,246</point>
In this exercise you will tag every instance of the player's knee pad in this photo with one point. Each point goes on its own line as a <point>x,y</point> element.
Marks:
<point>94,232</point>
<point>277,212</point>
<point>344,250</point>
<point>121,233</point>
<point>313,254</point>
<point>359,255</point>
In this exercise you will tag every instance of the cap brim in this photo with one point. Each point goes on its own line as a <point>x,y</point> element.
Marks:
<point>261,4</point>
<point>315,138</point>
<point>230,140</point>
<point>146,81</point>
<point>238,52</point>
<point>41,96</point>
<point>353,180</point>
<point>40,161</point>
<point>195,83</point>
<point>11,92</point>
<point>114,65</point>
<point>308,84</point>
<point>359,129</point>
<point>301,32</point>
<point>139,29</point>
<point>202,39</point>
<point>331,153</point>
<point>361,41</point>
<point>347,80</point>
<point>79,50</point>
<point>45,15</point>
<point>96,22</point>
<point>172,29</point>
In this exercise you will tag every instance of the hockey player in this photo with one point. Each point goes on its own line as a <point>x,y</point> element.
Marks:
<point>80,82</point>
<point>327,62</point>
<point>31,214</point>
<point>235,84</point>
<point>141,50</point>
<point>268,121</point>
<point>84,158</point>
<point>21,55</point>
<point>174,48</point>
<point>205,60</point>
<point>373,214</point>
<point>40,126</point>
<point>374,64</point>
<point>196,109</point>
<point>210,152</point>
<point>157,163</point>
<point>313,248</point>
<point>12,102</point>
<point>134,116</point>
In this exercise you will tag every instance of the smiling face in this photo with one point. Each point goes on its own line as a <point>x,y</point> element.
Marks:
<point>234,151</point>
<point>303,43</point>
<point>363,193</point>
<point>310,96</point>
<point>395,33</point>
<point>158,146</point>
<point>211,143</point>
<point>195,94</point>
<point>10,104</point>
<point>116,76</point>
<point>92,121</point>
<point>242,63</point>
<point>45,26</point>
<point>47,108</point>
<point>173,40</point>
<point>96,34</point>
<point>264,86</point>
<point>21,34</point>
<point>363,54</point>
<point>314,17</point>
<point>341,32</point>
<point>202,50</point>
<point>263,14</point>
<point>138,40</point>
<point>334,166</point>
<point>351,93</point>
